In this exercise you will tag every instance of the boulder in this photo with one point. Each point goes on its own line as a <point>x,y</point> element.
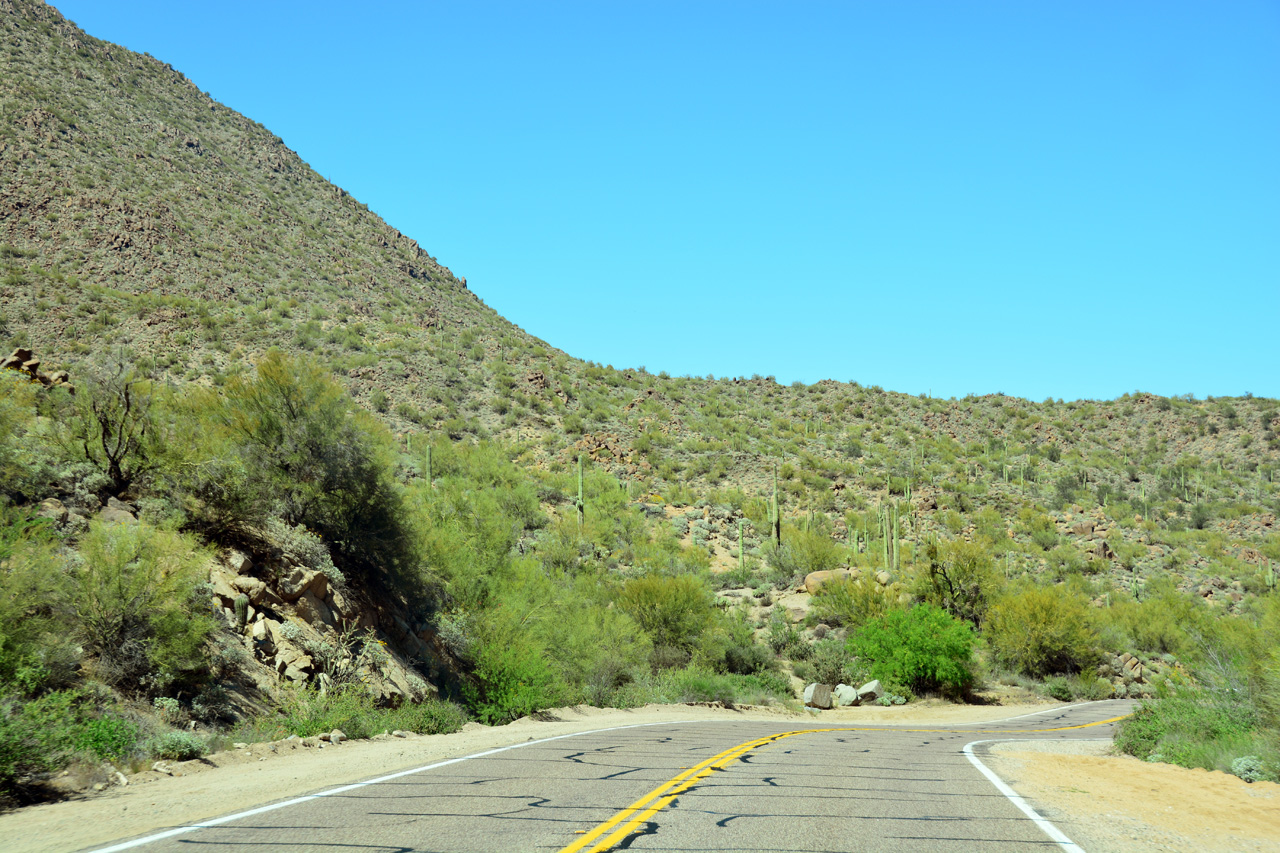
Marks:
<point>818,696</point>
<point>814,580</point>
<point>53,509</point>
<point>239,562</point>
<point>299,581</point>
<point>250,586</point>
<point>337,736</point>
<point>882,578</point>
<point>844,695</point>
<point>342,606</point>
<point>111,515</point>
<point>870,691</point>
<point>313,611</point>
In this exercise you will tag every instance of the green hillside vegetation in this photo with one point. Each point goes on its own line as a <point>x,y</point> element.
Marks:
<point>260,362</point>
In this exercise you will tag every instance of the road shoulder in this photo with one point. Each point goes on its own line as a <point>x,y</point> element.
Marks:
<point>1117,804</point>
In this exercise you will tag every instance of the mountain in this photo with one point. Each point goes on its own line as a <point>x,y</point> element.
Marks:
<point>143,220</point>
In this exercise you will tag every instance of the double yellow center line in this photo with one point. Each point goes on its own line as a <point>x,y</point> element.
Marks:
<point>662,796</point>
<point>611,833</point>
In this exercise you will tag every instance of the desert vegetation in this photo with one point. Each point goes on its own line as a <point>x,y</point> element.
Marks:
<point>260,366</point>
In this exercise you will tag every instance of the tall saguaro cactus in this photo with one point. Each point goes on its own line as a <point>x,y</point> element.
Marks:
<point>775,513</point>
<point>580,503</point>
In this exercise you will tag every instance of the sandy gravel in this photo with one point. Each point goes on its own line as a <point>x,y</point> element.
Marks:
<point>237,780</point>
<point>1118,804</point>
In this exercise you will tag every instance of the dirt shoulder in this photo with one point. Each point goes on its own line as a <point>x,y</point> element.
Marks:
<point>241,779</point>
<point>1118,804</point>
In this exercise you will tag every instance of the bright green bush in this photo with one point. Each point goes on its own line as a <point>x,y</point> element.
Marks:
<point>1041,630</point>
<point>134,606</point>
<point>511,681</point>
<point>37,738</point>
<point>673,611</point>
<point>109,738</point>
<point>924,648</point>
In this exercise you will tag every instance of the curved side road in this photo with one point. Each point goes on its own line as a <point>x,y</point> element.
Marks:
<point>718,786</point>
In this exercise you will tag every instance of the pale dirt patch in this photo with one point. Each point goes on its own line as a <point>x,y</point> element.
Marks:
<point>1118,804</point>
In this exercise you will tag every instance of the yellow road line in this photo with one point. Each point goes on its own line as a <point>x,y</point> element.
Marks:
<point>627,820</point>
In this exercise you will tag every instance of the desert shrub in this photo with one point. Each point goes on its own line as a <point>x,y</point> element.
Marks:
<point>38,738</point>
<point>288,442</point>
<point>831,663</point>
<point>111,421</point>
<point>924,648</point>
<point>510,681</point>
<point>783,638</point>
<point>1191,728</point>
<point>852,601</point>
<point>1039,631</point>
<point>804,551</point>
<point>672,611</point>
<point>961,579</point>
<point>695,684</point>
<point>109,738</point>
<point>35,652</point>
<point>178,746</point>
<point>1165,621</point>
<point>133,603</point>
<point>308,712</point>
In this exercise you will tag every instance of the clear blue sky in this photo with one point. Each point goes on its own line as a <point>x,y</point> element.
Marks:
<point>1071,199</point>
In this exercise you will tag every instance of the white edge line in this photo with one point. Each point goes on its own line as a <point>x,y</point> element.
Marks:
<point>1040,820</point>
<point>159,836</point>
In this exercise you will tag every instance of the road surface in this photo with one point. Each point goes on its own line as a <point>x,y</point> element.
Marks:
<point>697,786</point>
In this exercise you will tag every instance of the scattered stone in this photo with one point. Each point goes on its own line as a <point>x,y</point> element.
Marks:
<point>337,736</point>
<point>882,578</point>
<point>398,733</point>
<point>818,696</point>
<point>239,745</point>
<point>53,509</point>
<point>845,696</point>
<point>870,691</point>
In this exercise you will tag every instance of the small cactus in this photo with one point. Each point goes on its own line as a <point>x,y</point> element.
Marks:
<point>242,610</point>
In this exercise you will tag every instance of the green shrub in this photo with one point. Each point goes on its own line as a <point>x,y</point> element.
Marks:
<point>852,601</point>
<point>134,606</point>
<point>1041,630</point>
<point>1188,728</point>
<point>924,648</point>
<point>673,611</point>
<point>308,712</point>
<point>510,681</point>
<point>831,663</point>
<point>37,738</point>
<point>178,746</point>
<point>961,579</point>
<point>109,738</point>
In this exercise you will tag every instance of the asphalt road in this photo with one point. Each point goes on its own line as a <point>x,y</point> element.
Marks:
<point>733,786</point>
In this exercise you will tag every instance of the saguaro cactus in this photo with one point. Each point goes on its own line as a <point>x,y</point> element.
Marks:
<point>775,513</point>
<point>580,503</point>
<point>242,610</point>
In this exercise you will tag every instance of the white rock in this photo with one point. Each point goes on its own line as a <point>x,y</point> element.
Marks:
<point>870,691</point>
<point>844,695</point>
